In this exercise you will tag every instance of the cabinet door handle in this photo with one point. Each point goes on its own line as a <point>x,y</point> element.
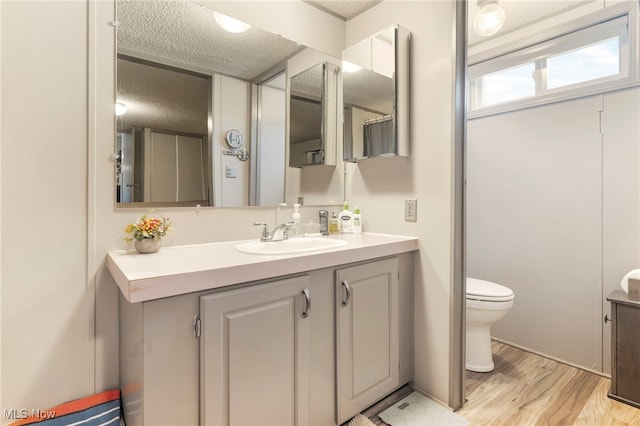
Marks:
<point>307,298</point>
<point>347,288</point>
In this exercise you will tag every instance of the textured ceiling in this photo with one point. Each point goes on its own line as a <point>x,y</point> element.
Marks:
<point>308,83</point>
<point>368,90</point>
<point>345,9</point>
<point>159,98</point>
<point>520,13</point>
<point>183,34</point>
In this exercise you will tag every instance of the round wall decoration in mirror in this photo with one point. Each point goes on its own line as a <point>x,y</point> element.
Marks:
<point>234,138</point>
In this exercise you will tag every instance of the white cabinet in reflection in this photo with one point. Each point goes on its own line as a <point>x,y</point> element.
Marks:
<point>174,167</point>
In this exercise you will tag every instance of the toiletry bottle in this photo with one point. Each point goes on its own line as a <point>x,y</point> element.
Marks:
<point>346,219</point>
<point>357,221</point>
<point>334,224</point>
<point>295,229</point>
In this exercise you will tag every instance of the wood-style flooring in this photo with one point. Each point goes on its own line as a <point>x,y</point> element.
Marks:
<point>527,389</point>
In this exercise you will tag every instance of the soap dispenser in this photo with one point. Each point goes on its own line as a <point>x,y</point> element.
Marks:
<point>346,219</point>
<point>295,217</point>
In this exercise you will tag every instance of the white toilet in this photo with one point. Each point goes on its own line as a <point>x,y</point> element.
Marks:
<point>487,303</point>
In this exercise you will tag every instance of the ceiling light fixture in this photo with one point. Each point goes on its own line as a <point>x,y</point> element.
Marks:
<point>120,108</point>
<point>230,24</point>
<point>489,19</point>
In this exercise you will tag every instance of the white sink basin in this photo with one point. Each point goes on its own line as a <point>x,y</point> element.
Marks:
<point>290,246</point>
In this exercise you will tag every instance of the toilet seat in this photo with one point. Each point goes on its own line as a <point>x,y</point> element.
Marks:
<point>487,291</point>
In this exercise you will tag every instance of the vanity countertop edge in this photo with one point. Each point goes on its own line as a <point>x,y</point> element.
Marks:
<point>178,270</point>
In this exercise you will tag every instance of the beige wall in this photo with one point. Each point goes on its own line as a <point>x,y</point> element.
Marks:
<point>559,221</point>
<point>620,197</point>
<point>59,305</point>
<point>534,218</point>
<point>47,302</point>
<point>379,187</point>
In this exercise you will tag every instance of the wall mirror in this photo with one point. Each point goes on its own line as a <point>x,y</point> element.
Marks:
<point>376,87</point>
<point>202,110</point>
<point>311,128</point>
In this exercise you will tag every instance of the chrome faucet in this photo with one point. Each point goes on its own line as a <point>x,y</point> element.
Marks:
<point>283,228</point>
<point>324,222</point>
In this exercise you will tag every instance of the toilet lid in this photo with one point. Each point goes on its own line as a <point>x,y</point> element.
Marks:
<point>486,290</point>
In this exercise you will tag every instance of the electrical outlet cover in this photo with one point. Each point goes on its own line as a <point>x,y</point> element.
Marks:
<point>410,210</point>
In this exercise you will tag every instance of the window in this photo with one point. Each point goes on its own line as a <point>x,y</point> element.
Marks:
<point>590,60</point>
<point>598,60</point>
<point>508,85</point>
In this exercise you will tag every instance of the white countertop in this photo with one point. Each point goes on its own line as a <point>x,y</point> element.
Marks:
<point>185,269</point>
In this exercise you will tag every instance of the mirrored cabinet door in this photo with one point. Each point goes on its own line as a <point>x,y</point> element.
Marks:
<point>312,119</point>
<point>376,87</point>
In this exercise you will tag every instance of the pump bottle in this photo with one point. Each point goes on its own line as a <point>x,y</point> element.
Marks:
<point>357,221</point>
<point>295,217</point>
<point>346,219</point>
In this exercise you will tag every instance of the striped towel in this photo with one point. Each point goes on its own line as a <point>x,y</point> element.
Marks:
<point>97,410</point>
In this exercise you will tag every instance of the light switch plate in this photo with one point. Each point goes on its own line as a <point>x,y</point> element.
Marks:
<point>410,210</point>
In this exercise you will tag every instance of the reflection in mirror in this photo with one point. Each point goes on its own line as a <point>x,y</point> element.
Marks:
<point>305,126</point>
<point>162,136</point>
<point>375,85</point>
<point>312,116</point>
<point>184,83</point>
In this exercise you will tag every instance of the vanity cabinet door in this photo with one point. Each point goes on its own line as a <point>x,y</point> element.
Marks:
<point>367,335</point>
<point>254,354</point>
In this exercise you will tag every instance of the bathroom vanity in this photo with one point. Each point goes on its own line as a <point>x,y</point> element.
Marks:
<point>213,336</point>
<point>625,348</point>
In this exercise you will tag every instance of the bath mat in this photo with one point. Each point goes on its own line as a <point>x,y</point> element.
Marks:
<point>418,410</point>
<point>360,420</point>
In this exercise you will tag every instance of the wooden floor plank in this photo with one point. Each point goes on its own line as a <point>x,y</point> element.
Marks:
<point>527,389</point>
<point>603,411</point>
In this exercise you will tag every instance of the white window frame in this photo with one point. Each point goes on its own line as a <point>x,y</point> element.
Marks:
<point>618,20</point>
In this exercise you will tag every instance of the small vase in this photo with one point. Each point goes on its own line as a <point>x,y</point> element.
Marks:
<point>148,245</point>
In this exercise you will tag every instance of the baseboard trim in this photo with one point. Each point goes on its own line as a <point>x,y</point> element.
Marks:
<point>542,354</point>
<point>435,399</point>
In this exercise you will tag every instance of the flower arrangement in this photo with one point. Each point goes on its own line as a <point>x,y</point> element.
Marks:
<point>147,228</point>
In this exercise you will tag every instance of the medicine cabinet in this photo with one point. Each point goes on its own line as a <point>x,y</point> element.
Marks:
<point>312,116</point>
<point>376,85</point>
